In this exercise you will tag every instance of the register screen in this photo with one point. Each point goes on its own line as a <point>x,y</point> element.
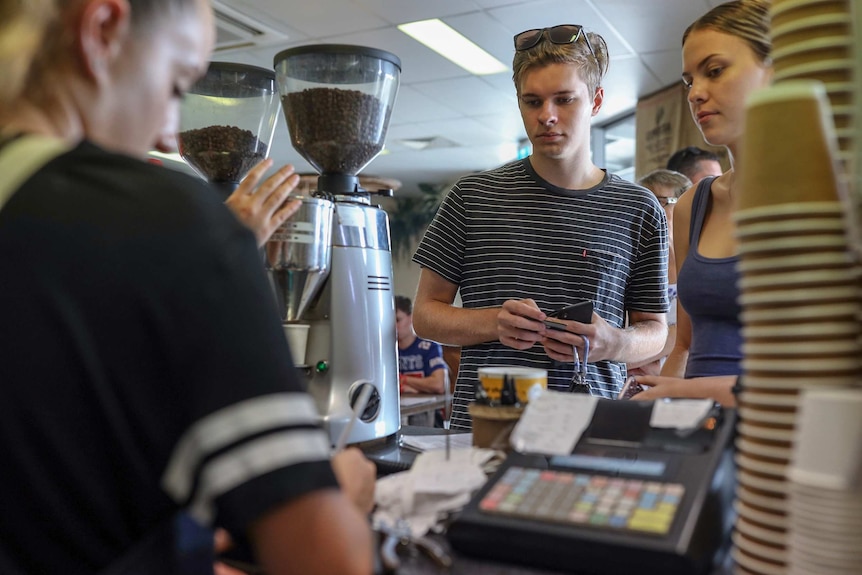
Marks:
<point>610,464</point>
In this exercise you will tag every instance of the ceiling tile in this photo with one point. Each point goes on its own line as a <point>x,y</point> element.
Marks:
<point>463,131</point>
<point>625,80</point>
<point>403,11</point>
<point>667,66</point>
<point>412,106</point>
<point>468,95</point>
<point>646,26</point>
<point>315,18</point>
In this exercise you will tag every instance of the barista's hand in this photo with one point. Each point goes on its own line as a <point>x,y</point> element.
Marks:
<point>263,208</point>
<point>519,324</point>
<point>356,476</point>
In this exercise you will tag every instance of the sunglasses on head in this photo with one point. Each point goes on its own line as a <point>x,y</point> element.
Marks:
<point>562,34</point>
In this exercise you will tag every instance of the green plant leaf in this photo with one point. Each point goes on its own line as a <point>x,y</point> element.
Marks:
<point>407,222</point>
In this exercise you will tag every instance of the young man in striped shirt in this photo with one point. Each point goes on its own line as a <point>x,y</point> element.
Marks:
<point>539,234</point>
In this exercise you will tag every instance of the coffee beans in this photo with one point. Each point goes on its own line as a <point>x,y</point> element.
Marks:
<point>337,131</point>
<point>221,153</point>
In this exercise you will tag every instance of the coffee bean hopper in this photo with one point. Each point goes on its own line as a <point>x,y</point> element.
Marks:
<point>331,264</point>
<point>227,121</point>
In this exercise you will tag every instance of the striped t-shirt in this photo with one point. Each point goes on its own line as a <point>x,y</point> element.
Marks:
<point>508,234</point>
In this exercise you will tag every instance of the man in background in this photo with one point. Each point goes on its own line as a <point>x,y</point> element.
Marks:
<point>421,368</point>
<point>667,186</point>
<point>694,163</point>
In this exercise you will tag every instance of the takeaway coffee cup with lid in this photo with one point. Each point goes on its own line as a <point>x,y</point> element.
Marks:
<point>526,379</point>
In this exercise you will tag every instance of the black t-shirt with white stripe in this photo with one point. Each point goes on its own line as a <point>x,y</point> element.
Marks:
<point>508,234</point>
<point>143,367</point>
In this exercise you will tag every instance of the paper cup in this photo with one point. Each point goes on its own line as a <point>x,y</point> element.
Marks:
<point>840,312</point>
<point>756,549</point>
<point>767,416</point>
<point>813,367</point>
<point>760,431</point>
<point>766,175</point>
<point>747,564</point>
<point>779,228</point>
<point>786,11</point>
<point>800,278</point>
<point>799,30</point>
<point>764,467</point>
<point>797,262</point>
<point>807,349</point>
<point>827,330</point>
<point>525,379</point>
<point>768,397</point>
<point>763,499</point>
<point>817,49</point>
<point>795,382</point>
<point>764,534</point>
<point>297,339</point>
<point>766,517</point>
<point>824,71</point>
<point>816,520</point>
<point>764,449</point>
<point>785,211</point>
<point>828,451</point>
<point>793,245</point>
<point>794,296</point>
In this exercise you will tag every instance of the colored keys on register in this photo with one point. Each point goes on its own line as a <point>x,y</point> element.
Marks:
<point>585,500</point>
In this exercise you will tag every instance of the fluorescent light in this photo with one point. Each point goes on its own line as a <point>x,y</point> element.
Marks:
<point>452,45</point>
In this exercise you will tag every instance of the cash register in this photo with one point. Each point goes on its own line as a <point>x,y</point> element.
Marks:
<point>630,498</point>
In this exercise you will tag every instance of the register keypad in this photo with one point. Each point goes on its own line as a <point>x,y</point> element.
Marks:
<point>585,499</point>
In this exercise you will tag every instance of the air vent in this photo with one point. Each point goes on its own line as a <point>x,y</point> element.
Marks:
<point>235,30</point>
<point>379,283</point>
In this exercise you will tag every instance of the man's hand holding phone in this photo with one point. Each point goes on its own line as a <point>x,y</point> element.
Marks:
<point>560,339</point>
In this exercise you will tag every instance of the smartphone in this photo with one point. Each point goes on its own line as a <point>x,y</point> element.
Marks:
<point>630,389</point>
<point>558,325</point>
<point>581,312</point>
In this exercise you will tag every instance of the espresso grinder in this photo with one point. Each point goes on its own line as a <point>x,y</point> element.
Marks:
<point>227,121</point>
<point>331,264</point>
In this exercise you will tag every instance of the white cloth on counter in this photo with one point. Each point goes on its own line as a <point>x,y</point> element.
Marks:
<point>432,488</point>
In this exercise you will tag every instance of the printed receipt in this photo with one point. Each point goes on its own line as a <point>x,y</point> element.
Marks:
<point>553,423</point>
<point>680,413</point>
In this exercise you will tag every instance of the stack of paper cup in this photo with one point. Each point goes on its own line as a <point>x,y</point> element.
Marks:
<point>855,169</point>
<point>800,299</point>
<point>813,39</point>
<point>825,503</point>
